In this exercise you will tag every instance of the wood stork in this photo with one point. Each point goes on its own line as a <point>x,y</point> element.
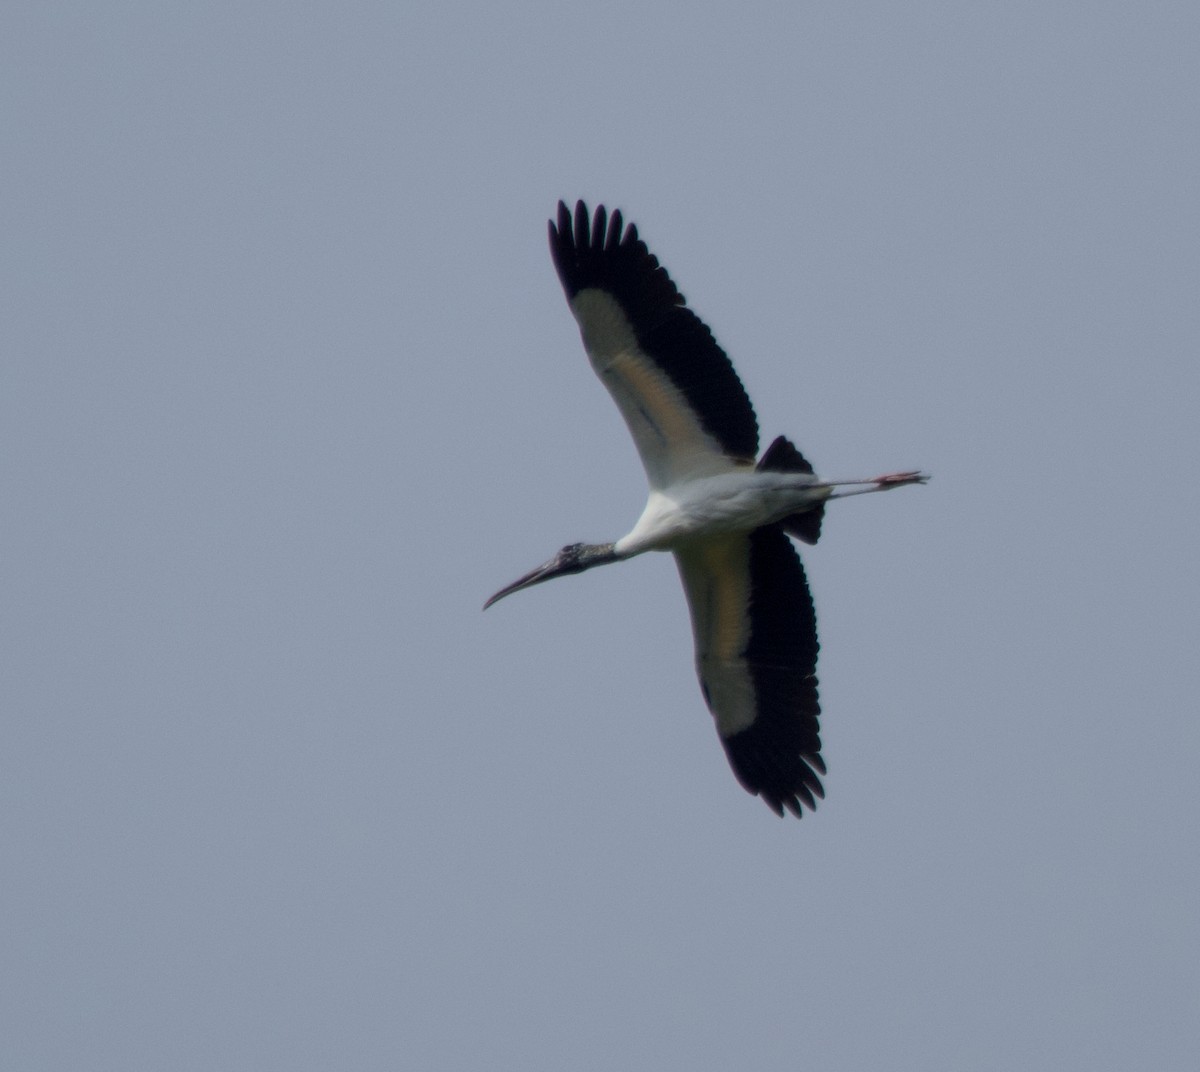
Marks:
<point>726,517</point>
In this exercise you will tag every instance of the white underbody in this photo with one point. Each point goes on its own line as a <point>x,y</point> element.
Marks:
<point>740,500</point>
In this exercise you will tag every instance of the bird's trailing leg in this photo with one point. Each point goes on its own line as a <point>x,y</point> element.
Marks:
<point>879,483</point>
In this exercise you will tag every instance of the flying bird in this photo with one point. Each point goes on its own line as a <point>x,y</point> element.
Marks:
<point>726,516</point>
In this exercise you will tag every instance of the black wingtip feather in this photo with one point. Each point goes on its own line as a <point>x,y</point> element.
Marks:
<point>604,252</point>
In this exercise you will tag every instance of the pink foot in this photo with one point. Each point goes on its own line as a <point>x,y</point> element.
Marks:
<point>895,480</point>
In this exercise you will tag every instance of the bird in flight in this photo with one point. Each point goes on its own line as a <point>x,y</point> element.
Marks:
<point>725,516</point>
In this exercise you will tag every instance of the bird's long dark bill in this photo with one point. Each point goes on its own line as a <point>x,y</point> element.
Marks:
<point>544,572</point>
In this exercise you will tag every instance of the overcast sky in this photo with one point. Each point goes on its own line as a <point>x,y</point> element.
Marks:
<point>289,388</point>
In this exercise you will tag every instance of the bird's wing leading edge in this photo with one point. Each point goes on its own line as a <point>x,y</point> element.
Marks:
<point>685,406</point>
<point>756,655</point>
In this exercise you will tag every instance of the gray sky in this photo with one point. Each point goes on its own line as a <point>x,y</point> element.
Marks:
<point>290,387</point>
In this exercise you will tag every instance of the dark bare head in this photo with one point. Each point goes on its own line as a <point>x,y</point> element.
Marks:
<point>574,558</point>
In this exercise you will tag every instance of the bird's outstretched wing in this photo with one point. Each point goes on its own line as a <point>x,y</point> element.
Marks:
<point>756,654</point>
<point>684,404</point>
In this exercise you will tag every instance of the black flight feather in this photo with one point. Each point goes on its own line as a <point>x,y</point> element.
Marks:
<point>600,253</point>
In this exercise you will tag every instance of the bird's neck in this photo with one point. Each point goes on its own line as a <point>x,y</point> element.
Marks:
<point>597,554</point>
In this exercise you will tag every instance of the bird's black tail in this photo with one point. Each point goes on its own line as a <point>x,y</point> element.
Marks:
<point>783,457</point>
